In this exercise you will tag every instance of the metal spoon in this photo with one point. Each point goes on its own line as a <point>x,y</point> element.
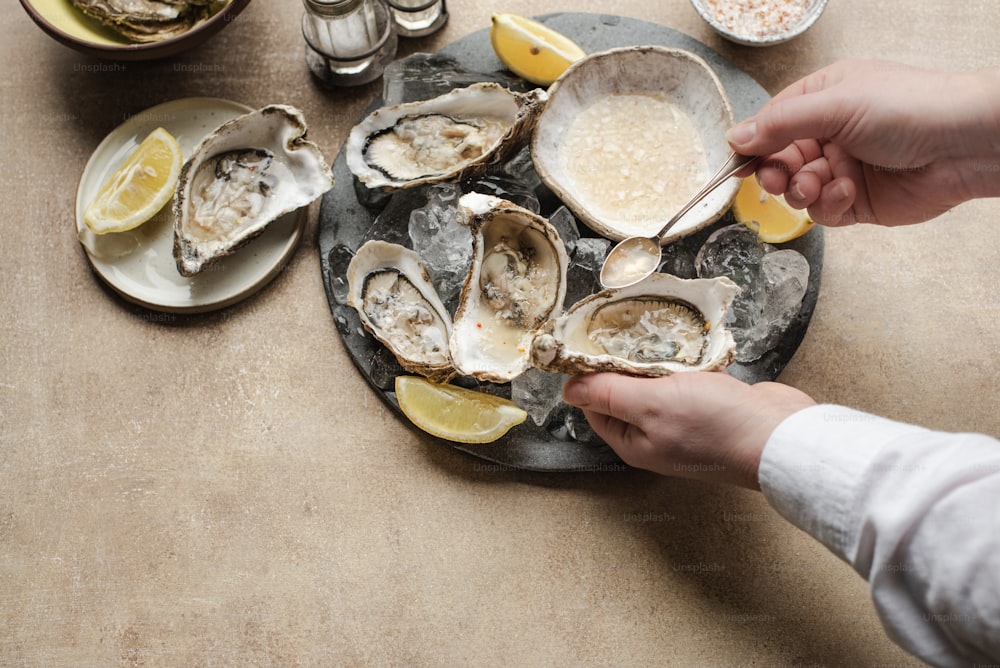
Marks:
<point>635,258</point>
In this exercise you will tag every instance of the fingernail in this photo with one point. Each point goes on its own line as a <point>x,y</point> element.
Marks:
<point>797,192</point>
<point>742,133</point>
<point>839,192</point>
<point>576,393</point>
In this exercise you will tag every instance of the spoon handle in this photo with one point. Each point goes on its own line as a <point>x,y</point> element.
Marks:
<point>734,163</point>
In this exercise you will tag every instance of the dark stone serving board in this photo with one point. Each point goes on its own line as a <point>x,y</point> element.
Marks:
<point>344,222</point>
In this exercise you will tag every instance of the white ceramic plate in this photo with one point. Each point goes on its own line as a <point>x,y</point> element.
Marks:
<point>139,264</point>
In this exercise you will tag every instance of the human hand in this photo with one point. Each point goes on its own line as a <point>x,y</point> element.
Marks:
<point>702,425</point>
<point>878,142</point>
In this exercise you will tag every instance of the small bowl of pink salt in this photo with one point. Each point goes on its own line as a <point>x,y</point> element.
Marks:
<point>759,22</point>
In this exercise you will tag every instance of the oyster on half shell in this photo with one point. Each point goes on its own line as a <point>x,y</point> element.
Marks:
<point>247,173</point>
<point>450,137</point>
<point>656,327</point>
<point>149,20</point>
<point>516,282</point>
<point>390,288</point>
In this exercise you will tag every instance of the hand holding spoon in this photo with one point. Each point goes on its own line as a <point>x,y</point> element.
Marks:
<point>635,258</point>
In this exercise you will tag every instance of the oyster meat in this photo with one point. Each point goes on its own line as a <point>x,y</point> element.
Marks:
<point>516,282</point>
<point>656,327</point>
<point>453,136</point>
<point>149,20</point>
<point>389,287</point>
<point>249,172</point>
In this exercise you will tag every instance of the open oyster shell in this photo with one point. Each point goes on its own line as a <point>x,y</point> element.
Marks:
<point>389,287</point>
<point>149,20</point>
<point>657,327</point>
<point>450,137</point>
<point>632,179</point>
<point>250,171</point>
<point>517,281</point>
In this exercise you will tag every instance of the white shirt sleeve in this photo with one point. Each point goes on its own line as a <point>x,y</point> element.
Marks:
<point>915,512</point>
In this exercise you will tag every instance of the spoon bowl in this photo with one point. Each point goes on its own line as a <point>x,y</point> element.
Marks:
<point>635,258</point>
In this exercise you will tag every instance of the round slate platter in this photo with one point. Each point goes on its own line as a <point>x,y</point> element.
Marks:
<point>344,222</point>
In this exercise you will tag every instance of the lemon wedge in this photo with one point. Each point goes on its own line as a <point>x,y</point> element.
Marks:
<point>139,188</point>
<point>455,413</point>
<point>774,220</point>
<point>531,50</point>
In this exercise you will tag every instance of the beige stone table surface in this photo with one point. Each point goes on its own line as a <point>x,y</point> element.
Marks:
<point>225,489</point>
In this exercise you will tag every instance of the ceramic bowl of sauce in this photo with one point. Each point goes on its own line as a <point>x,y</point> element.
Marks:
<point>629,135</point>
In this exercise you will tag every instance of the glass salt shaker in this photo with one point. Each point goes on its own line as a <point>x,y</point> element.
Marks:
<point>348,42</point>
<point>416,18</point>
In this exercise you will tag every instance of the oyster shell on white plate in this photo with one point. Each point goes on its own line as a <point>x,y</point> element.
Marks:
<point>661,325</point>
<point>517,281</point>
<point>389,287</point>
<point>450,137</point>
<point>247,173</point>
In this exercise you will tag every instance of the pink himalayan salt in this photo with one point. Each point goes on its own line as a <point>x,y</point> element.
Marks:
<point>758,18</point>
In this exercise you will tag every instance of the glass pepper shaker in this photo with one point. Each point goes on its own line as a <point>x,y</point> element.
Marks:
<point>348,42</point>
<point>416,18</point>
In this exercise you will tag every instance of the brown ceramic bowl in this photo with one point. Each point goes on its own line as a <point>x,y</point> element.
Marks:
<point>69,26</point>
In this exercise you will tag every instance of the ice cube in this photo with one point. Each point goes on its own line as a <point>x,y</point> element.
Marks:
<point>444,244</point>
<point>772,284</point>
<point>785,276</point>
<point>583,273</point>
<point>678,260</point>
<point>538,392</point>
<point>338,260</point>
<point>566,226</point>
